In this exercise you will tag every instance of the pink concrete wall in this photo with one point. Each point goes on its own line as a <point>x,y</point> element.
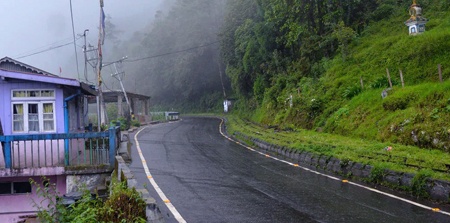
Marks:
<point>14,206</point>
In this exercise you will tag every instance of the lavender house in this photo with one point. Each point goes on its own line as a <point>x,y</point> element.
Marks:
<point>34,103</point>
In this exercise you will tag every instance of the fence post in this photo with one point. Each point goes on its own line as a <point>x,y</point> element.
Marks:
<point>7,150</point>
<point>112,145</point>
<point>401,78</point>
<point>389,77</point>
<point>440,72</point>
<point>361,81</point>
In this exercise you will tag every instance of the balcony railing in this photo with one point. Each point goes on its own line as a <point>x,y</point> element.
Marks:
<point>59,150</point>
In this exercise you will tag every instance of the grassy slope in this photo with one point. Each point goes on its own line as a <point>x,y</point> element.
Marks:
<point>347,148</point>
<point>423,106</point>
<point>417,115</point>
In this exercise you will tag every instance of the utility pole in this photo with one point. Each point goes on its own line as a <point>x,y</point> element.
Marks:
<point>85,56</point>
<point>119,72</point>
<point>85,100</point>
<point>100,103</point>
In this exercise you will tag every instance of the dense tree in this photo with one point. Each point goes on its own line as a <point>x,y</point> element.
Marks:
<point>183,66</point>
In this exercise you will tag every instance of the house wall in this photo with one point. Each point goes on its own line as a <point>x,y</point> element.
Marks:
<point>5,102</point>
<point>14,206</point>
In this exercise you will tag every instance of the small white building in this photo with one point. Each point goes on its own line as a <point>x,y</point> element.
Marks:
<point>226,105</point>
<point>172,116</point>
<point>416,23</point>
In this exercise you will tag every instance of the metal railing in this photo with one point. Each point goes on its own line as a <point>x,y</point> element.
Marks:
<point>59,150</point>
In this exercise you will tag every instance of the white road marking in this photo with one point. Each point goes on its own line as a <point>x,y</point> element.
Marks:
<point>158,190</point>
<point>437,210</point>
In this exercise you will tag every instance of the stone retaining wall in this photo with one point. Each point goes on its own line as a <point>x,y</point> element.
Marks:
<point>436,189</point>
<point>124,173</point>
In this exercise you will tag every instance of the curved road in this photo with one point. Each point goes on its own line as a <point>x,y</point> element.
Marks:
<point>211,179</point>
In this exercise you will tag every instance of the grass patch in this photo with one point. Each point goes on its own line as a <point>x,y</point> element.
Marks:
<point>401,158</point>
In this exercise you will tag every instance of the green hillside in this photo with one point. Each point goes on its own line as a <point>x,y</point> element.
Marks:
<point>325,82</point>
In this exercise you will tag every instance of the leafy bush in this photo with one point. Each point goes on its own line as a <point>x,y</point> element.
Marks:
<point>382,82</point>
<point>123,205</point>
<point>419,183</point>
<point>135,123</point>
<point>83,210</point>
<point>377,174</point>
<point>351,91</point>
<point>392,103</point>
<point>122,122</point>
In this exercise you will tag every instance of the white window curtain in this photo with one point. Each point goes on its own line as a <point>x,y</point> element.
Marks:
<point>33,110</point>
<point>18,119</point>
<point>33,118</point>
<point>49,122</point>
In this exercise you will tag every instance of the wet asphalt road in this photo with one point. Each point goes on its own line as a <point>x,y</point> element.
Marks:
<point>211,179</point>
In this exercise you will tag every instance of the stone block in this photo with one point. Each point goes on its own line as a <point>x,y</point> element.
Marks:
<point>365,173</point>
<point>307,158</point>
<point>392,177</point>
<point>323,161</point>
<point>315,160</point>
<point>357,170</point>
<point>406,179</point>
<point>440,191</point>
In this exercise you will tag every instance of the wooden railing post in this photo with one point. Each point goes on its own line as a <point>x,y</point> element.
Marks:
<point>66,152</point>
<point>7,150</point>
<point>112,145</point>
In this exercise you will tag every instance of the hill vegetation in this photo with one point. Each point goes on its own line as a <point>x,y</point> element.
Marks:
<point>176,58</point>
<point>321,65</point>
<point>308,64</point>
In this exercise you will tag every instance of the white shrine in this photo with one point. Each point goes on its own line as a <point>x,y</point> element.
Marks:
<point>416,22</point>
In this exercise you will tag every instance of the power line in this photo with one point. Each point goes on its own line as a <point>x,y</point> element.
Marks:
<point>174,52</point>
<point>74,41</point>
<point>42,51</point>
<point>42,47</point>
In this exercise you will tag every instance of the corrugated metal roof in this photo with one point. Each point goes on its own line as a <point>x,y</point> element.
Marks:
<point>14,69</point>
<point>9,64</point>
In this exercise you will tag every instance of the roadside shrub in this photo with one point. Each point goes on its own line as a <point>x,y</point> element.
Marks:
<point>123,205</point>
<point>419,183</point>
<point>392,103</point>
<point>83,210</point>
<point>382,82</point>
<point>135,123</point>
<point>351,91</point>
<point>377,174</point>
<point>122,121</point>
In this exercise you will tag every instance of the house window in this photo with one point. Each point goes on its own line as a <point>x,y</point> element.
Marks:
<point>48,117</point>
<point>15,188</point>
<point>21,187</point>
<point>33,94</point>
<point>18,125</point>
<point>33,111</point>
<point>5,188</point>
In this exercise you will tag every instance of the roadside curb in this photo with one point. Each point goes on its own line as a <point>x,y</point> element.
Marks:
<point>437,190</point>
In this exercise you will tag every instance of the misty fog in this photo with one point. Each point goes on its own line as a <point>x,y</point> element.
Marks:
<point>172,46</point>
<point>33,26</point>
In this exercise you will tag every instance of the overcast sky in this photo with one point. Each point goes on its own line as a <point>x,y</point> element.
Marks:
<point>30,26</point>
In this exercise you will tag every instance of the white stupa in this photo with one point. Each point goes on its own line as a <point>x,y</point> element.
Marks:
<point>416,22</point>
